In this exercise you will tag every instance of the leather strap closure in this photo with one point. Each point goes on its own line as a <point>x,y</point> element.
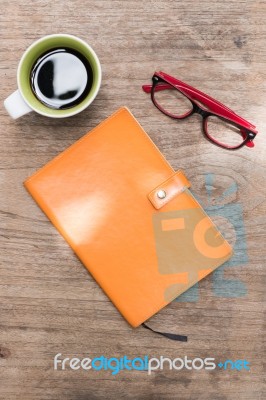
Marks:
<point>169,189</point>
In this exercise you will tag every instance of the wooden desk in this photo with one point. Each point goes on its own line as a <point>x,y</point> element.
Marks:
<point>48,302</point>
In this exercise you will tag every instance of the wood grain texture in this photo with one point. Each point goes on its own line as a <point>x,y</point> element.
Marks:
<point>49,304</point>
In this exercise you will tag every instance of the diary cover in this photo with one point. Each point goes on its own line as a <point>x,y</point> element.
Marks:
<point>129,217</point>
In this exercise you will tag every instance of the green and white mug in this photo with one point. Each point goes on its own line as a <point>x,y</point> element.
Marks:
<point>23,100</point>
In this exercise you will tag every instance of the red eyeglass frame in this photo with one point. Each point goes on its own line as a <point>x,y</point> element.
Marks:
<point>162,81</point>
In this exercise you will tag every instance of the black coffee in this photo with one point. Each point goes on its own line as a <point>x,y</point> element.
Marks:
<point>61,78</point>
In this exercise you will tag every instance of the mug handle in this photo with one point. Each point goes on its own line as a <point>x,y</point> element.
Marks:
<point>16,105</point>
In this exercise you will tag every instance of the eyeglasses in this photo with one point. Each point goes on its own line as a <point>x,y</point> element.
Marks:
<point>221,125</point>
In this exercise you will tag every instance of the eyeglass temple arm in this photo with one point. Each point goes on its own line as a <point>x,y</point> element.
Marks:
<point>162,86</point>
<point>195,94</point>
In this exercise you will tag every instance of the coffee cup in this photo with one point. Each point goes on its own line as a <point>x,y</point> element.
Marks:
<point>58,76</point>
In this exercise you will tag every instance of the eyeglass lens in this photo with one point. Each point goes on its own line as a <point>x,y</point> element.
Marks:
<point>172,102</point>
<point>223,132</point>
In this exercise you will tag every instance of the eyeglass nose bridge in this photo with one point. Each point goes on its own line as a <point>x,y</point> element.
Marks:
<point>200,111</point>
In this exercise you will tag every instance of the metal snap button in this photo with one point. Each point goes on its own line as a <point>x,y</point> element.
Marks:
<point>161,194</point>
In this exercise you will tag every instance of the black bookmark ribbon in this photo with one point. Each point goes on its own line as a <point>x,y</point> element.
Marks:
<point>172,336</point>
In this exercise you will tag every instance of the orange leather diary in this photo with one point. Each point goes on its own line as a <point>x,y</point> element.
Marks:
<point>129,217</point>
